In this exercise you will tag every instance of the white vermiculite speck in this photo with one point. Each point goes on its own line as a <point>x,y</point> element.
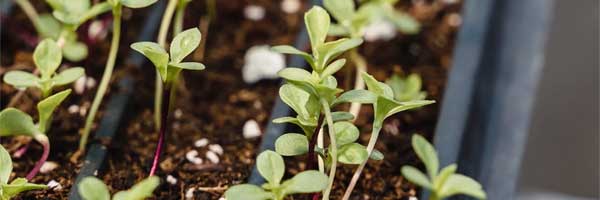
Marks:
<point>380,30</point>
<point>73,109</point>
<point>80,85</point>
<point>290,6</point>
<point>171,180</point>
<point>216,148</point>
<point>212,156</point>
<point>189,194</point>
<point>201,142</point>
<point>261,63</point>
<point>54,185</point>
<point>254,12</point>
<point>48,166</point>
<point>251,129</point>
<point>192,156</point>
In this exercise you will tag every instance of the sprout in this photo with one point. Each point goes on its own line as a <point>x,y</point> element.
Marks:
<point>271,166</point>
<point>12,189</point>
<point>444,183</point>
<point>92,188</point>
<point>408,88</point>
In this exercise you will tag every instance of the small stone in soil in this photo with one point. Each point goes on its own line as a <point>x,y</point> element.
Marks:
<point>80,85</point>
<point>251,129</point>
<point>201,142</point>
<point>254,12</point>
<point>171,180</point>
<point>90,83</point>
<point>192,156</point>
<point>260,62</point>
<point>54,185</point>
<point>48,166</point>
<point>216,148</point>
<point>189,194</point>
<point>73,109</point>
<point>178,113</point>
<point>212,156</point>
<point>290,6</point>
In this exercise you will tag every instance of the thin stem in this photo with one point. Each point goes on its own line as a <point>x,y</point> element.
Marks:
<point>359,84</point>
<point>370,147</point>
<point>332,147</point>
<point>310,158</point>
<point>162,40</point>
<point>43,140</point>
<point>29,10</point>
<point>108,69</point>
<point>163,128</point>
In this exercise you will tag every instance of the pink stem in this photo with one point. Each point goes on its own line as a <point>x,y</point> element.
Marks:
<point>163,128</point>
<point>21,151</point>
<point>41,161</point>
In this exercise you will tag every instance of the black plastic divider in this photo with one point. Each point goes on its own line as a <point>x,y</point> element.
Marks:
<point>487,105</point>
<point>116,105</point>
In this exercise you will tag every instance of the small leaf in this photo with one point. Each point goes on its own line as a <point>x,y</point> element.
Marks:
<point>16,122</point>
<point>137,3</point>
<point>306,182</point>
<point>270,165</point>
<point>415,176</point>
<point>47,26</point>
<point>427,154</point>
<point>352,153</point>
<point>331,50</point>
<point>154,53</point>
<point>460,184</point>
<point>247,192</point>
<point>333,67</point>
<point>358,96</point>
<point>292,50</point>
<point>345,132</point>
<point>47,57</point>
<point>75,51</point>
<point>341,116</point>
<point>139,191</point>
<point>377,87</point>
<point>94,11</point>
<point>184,43</point>
<point>17,186</point>
<point>342,10</point>
<point>21,79</point>
<point>295,97</point>
<point>443,176</point>
<point>48,105</point>
<point>5,166</point>
<point>294,74</point>
<point>291,144</point>
<point>92,188</point>
<point>376,155</point>
<point>68,76</point>
<point>317,24</point>
<point>404,22</point>
<point>188,65</point>
<point>308,129</point>
<point>338,30</point>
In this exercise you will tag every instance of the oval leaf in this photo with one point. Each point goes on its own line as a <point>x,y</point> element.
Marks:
<point>317,24</point>
<point>156,54</point>
<point>342,10</point>
<point>292,50</point>
<point>270,165</point>
<point>47,106</point>
<point>353,153</point>
<point>294,74</point>
<point>16,122</point>
<point>184,43</point>
<point>358,96</point>
<point>5,165</point>
<point>21,79</point>
<point>247,192</point>
<point>415,176</point>
<point>47,57</point>
<point>460,184</point>
<point>296,98</point>
<point>346,132</point>
<point>189,65</point>
<point>376,155</point>
<point>291,144</point>
<point>75,51</point>
<point>306,182</point>
<point>68,76</point>
<point>139,191</point>
<point>92,188</point>
<point>333,67</point>
<point>137,3</point>
<point>426,153</point>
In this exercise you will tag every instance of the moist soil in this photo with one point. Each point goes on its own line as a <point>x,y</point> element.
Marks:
<point>215,103</point>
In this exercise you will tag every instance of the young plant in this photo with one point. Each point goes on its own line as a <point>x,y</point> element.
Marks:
<point>384,105</point>
<point>92,188</point>
<point>116,6</point>
<point>444,183</point>
<point>351,22</point>
<point>408,88</point>
<point>169,68</point>
<point>12,189</point>
<point>271,166</point>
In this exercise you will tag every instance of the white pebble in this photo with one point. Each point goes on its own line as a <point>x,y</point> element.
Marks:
<point>216,148</point>
<point>80,85</point>
<point>54,185</point>
<point>254,12</point>
<point>261,63</point>
<point>222,198</point>
<point>212,156</point>
<point>413,198</point>
<point>380,30</point>
<point>90,83</point>
<point>171,180</point>
<point>201,142</point>
<point>48,166</point>
<point>178,113</point>
<point>192,156</point>
<point>251,129</point>
<point>189,194</point>
<point>290,6</point>
<point>73,109</point>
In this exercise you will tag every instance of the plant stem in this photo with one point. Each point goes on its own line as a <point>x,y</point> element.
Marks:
<point>108,69</point>
<point>359,84</point>
<point>29,10</point>
<point>332,147</point>
<point>162,40</point>
<point>370,147</point>
<point>310,159</point>
<point>43,140</point>
<point>163,128</point>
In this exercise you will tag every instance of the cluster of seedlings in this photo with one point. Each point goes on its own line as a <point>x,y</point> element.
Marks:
<point>314,96</point>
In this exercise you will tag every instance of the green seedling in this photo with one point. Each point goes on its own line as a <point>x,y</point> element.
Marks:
<point>442,183</point>
<point>271,166</point>
<point>92,188</point>
<point>116,6</point>
<point>12,189</point>
<point>408,88</point>
<point>384,105</point>
<point>169,68</point>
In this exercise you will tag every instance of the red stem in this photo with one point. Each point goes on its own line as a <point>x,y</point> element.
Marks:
<point>163,128</point>
<point>41,161</point>
<point>21,151</point>
<point>311,161</point>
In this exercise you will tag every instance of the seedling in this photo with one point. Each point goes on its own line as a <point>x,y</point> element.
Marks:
<point>116,6</point>
<point>408,88</point>
<point>92,188</point>
<point>12,189</point>
<point>444,183</point>
<point>169,68</point>
<point>271,166</point>
<point>351,22</point>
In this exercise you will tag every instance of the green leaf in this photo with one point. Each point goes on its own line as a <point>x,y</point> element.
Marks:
<point>68,76</point>
<point>427,154</point>
<point>460,184</point>
<point>338,30</point>
<point>415,176</point>
<point>317,24</point>
<point>156,54</point>
<point>406,89</point>
<point>247,192</point>
<point>75,51</point>
<point>342,10</point>
<point>404,22</point>
<point>295,97</point>
<point>292,50</point>
<point>184,43</point>
<point>16,122</point>
<point>94,11</point>
<point>345,132</point>
<point>358,96</point>
<point>291,144</point>
<point>331,50</point>
<point>294,74</point>
<point>377,87</point>
<point>305,182</point>
<point>139,191</point>
<point>48,105</point>
<point>5,166</point>
<point>21,79</point>
<point>443,176</point>
<point>352,153</point>
<point>333,67</point>
<point>270,165</point>
<point>308,129</point>
<point>137,3</point>
<point>92,188</point>
<point>376,155</point>
<point>188,65</point>
<point>17,186</point>
<point>341,116</point>
<point>47,26</point>
<point>47,57</point>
